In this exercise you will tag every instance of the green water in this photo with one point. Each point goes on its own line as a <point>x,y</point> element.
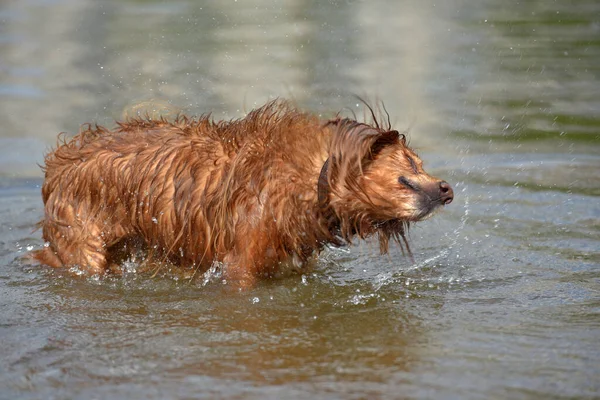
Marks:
<point>501,99</point>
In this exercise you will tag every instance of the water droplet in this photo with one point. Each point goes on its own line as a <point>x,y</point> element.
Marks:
<point>255,300</point>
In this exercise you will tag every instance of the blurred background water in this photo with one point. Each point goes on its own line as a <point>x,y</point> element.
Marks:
<point>502,99</point>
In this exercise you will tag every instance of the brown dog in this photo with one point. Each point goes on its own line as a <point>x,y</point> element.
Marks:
<point>275,186</point>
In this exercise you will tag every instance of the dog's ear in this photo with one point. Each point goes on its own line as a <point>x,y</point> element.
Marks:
<point>384,139</point>
<point>353,146</point>
<point>358,143</point>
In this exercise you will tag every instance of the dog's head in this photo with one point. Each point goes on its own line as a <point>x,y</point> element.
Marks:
<point>377,182</point>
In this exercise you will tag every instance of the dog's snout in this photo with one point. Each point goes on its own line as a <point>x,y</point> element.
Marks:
<point>446,192</point>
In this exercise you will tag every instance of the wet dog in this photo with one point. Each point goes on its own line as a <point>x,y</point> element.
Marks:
<point>252,194</point>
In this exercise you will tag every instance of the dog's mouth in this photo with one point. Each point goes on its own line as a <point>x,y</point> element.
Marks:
<point>429,198</point>
<point>426,208</point>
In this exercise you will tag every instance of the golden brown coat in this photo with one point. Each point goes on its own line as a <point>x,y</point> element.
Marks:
<point>243,192</point>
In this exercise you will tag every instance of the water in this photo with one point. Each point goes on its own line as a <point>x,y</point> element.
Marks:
<point>503,301</point>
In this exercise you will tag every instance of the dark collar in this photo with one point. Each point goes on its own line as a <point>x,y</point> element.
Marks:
<point>323,186</point>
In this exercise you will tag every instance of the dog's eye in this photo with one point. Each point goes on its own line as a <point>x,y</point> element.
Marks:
<point>413,165</point>
<point>407,183</point>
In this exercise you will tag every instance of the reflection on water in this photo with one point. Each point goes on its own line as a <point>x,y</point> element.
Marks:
<point>502,100</point>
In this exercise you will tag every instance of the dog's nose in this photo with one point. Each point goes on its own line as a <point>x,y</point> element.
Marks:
<point>446,192</point>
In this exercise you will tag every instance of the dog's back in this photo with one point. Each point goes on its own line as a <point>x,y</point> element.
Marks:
<point>186,187</point>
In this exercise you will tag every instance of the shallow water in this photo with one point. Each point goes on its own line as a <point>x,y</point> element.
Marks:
<point>503,299</point>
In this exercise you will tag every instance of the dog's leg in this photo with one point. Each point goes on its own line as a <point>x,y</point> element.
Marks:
<point>238,272</point>
<point>244,262</point>
<point>81,246</point>
<point>75,239</point>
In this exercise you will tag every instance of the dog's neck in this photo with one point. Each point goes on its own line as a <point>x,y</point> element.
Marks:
<point>330,217</point>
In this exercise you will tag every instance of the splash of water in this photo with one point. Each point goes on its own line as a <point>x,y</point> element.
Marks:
<point>213,274</point>
<point>387,278</point>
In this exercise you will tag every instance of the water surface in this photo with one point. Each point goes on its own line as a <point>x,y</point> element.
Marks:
<point>502,99</point>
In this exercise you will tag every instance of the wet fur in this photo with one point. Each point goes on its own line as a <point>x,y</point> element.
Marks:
<point>241,192</point>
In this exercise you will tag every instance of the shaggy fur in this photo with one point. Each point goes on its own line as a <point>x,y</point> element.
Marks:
<point>243,192</point>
